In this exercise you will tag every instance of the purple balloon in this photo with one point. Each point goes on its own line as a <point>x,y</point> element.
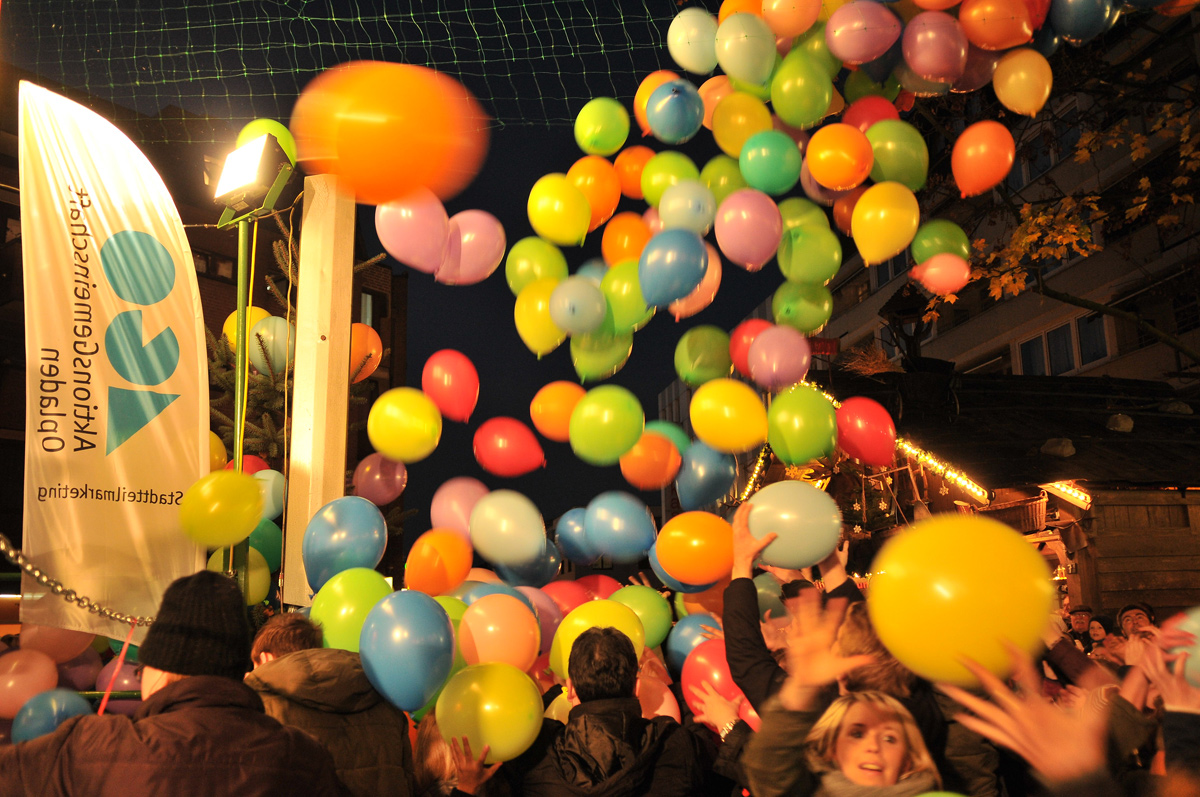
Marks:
<point>80,673</point>
<point>547,612</point>
<point>935,46</point>
<point>379,479</point>
<point>452,504</point>
<point>981,65</point>
<point>414,229</point>
<point>124,680</point>
<point>477,244</point>
<point>861,31</point>
<point>817,192</point>
<point>749,228</point>
<point>779,357</point>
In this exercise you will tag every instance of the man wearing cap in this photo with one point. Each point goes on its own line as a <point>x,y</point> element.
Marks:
<point>1081,621</point>
<point>199,730</point>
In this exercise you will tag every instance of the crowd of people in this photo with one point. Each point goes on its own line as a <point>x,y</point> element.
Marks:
<point>1104,710</point>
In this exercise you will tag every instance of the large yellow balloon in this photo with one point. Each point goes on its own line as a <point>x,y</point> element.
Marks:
<point>532,316</point>
<point>258,575</point>
<point>1022,81</point>
<point>494,705</point>
<point>221,508</point>
<point>729,416</point>
<point>736,118</point>
<point>558,211</point>
<point>954,586</point>
<point>594,614</point>
<point>404,425</point>
<point>884,221</point>
<point>253,316</point>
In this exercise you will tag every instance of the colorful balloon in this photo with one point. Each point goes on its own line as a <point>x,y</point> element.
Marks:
<point>606,423</point>
<point>801,425</point>
<point>507,529</point>
<point>414,229</point>
<point>60,644</point>
<point>705,476</point>
<point>601,126</point>
<point>885,221</point>
<point>619,525</point>
<point>1022,81</point>
<point>867,111</point>
<point>811,254</point>
<point>866,432</point>
<point>801,90</point>
<point>688,205</point>
<point>438,561</point>
<point>740,340</point>
<point>474,250</point>
<point>686,636</point>
<point>937,236</point>
<point>624,238</point>
<point>551,409</point>
<point>272,345</point>
<point>412,629</point>
<point>839,156</point>
<point>982,157</point>
<point>499,629</point>
<point>347,532</point>
<point>804,306</point>
<point>558,211</point>
<point>495,706</point>
<point>696,547</point>
<point>599,355</point>
<point>749,228</point>
<point>594,614</point>
<point>671,266</point>
<point>532,259</point>
<point>453,502</point>
<point>722,176</point>
<point>996,24</point>
<point>691,40</point>
<point>343,602</point>
<point>900,154</point>
<point>729,416</point>
<point>597,180</point>
<point>506,447</point>
<point>779,358</point>
<point>451,382</point>
<point>663,171</point>
<point>650,607</point>
<point>704,293</point>
<point>770,162</point>
<point>935,46</point>
<point>642,97</point>
<point>652,463</point>
<point>745,48</point>
<point>629,165</point>
<point>675,112</point>
<point>735,118</point>
<point>220,509</point>
<point>861,31</point>
<point>404,425</point>
<point>45,711</point>
<point>531,314</point>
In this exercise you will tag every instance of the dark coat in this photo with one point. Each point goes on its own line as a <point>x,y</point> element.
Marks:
<point>325,693</point>
<point>203,735</point>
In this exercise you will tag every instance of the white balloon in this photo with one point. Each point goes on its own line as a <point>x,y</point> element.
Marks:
<point>688,205</point>
<point>507,529</point>
<point>691,40</point>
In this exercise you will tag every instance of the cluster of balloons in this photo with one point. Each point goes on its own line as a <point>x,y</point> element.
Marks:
<point>462,249</point>
<point>48,657</point>
<point>271,340</point>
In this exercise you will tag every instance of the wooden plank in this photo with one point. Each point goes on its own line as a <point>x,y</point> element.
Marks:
<point>1156,598</point>
<point>1162,579</point>
<point>1144,497</point>
<point>1161,542</point>
<point>1128,564</point>
<point>317,471</point>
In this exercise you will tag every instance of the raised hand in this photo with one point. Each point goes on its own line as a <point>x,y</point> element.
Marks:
<point>1177,693</point>
<point>471,771</point>
<point>746,547</point>
<point>812,662</point>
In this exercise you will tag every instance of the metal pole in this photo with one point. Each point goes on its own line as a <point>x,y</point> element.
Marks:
<point>235,558</point>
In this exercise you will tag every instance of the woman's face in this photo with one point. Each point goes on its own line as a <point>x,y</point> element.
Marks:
<point>871,748</point>
<point>1096,631</point>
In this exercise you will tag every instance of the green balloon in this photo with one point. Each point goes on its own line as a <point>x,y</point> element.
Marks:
<point>937,236</point>
<point>342,604</point>
<point>601,353</point>
<point>680,610</point>
<point>532,259</point>
<point>267,539</point>
<point>802,305</point>
<point>801,90</point>
<point>663,171</point>
<point>673,432</point>
<point>602,126</point>
<point>812,43</point>
<point>801,425</point>
<point>799,212</point>
<point>722,176</point>
<point>623,291</point>
<point>809,254</point>
<point>760,90</point>
<point>858,85</point>
<point>606,423</point>
<point>651,608</point>
<point>454,608</point>
<point>770,162</point>
<point>703,354</point>
<point>900,153</point>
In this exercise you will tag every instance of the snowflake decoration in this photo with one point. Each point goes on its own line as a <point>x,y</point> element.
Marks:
<point>858,529</point>
<point>837,468</point>
<point>857,507</point>
<point>889,480</point>
<point>944,490</point>
<point>883,505</point>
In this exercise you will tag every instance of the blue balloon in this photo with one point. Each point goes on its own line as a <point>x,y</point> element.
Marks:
<point>272,345</point>
<point>407,648</point>
<point>535,574</point>
<point>620,526</point>
<point>45,711</point>
<point>671,583</point>
<point>675,112</point>
<point>705,475</point>
<point>470,591</point>
<point>1079,21</point>
<point>684,638</point>
<point>347,532</point>
<point>572,537</point>
<point>1046,40</point>
<point>807,521</point>
<point>577,305</point>
<point>593,269</point>
<point>671,266</point>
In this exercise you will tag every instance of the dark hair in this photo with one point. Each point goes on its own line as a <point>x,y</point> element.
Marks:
<point>603,665</point>
<point>1105,622</point>
<point>792,589</point>
<point>1145,607</point>
<point>286,633</point>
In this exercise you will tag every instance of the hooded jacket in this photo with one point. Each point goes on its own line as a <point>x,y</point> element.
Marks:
<point>325,693</point>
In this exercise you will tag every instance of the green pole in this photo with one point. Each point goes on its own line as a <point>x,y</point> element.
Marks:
<point>235,558</point>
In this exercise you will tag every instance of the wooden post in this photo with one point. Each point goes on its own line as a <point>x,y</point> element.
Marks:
<point>317,469</point>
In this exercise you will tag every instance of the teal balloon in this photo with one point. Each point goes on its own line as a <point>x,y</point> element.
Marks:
<point>770,596</point>
<point>800,212</point>
<point>809,254</point>
<point>802,305</point>
<point>770,161</point>
<point>627,306</point>
<point>272,485</point>
<point>267,539</point>
<point>801,90</point>
<point>801,425</point>
<point>813,44</point>
<point>937,236</point>
<point>673,432</point>
<point>705,476</point>
<point>272,345</point>
<point>45,711</point>
<point>703,354</point>
<point>900,153</point>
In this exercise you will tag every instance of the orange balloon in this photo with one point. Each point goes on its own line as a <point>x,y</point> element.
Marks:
<point>551,409</point>
<point>996,24</point>
<point>696,548</point>
<point>598,181</point>
<point>936,5</point>
<point>1175,8</point>
<point>652,463</point>
<point>366,352</point>
<point>624,238</point>
<point>839,157</point>
<point>386,129</point>
<point>710,601</point>
<point>982,157</point>
<point>642,97</point>
<point>731,7</point>
<point>629,166</point>
<point>499,628</point>
<point>843,209</point>
<point>438,562</point>
<point>713,91</point>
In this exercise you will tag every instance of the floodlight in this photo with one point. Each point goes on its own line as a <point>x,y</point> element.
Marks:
<point>252,179</point>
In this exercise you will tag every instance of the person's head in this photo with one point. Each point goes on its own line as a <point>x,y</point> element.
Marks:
<point>871,739</point>
<point>1081,618</point>
<point>791,590</point>
<point>857,636</point>
<point>602,666</point>
<point>1134,616</point>
<point>1100,627</point>
<point>200,629</point>
<point>433,765</point>
<point>284,634</point>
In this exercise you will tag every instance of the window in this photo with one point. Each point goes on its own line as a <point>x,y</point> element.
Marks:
<point>224,268</point>
<point>1033,357</point>
<point>1092,344</point>
<point>1065,348</point>
<point>373,309</point>
<point>1187,311</point>
<point>201,261</point>
<point>885,272</point>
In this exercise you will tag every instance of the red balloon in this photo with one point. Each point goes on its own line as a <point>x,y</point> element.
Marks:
<point>507,447</point>
<point>599,585</point>
<point>1038,11</point>
<point>567,595</point>
<point>866,432</point>
<point>452,383</point>
<point>868,110</point>
<point>707,664</point>
<point>250,464</point>
<point>739,343</point>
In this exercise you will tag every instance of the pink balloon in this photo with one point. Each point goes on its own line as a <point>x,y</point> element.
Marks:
<point>124,679</point>
<point>599,585</point>
<point>817,192</point>
<point>704,293</point>
<point>499,628</point>
<point>656,699</point>
<point>379,479</point>
<point>80,673</point>
<point>861,31</point>
<point>23,674</point>
<point>483,575</point>
<point>452,503</point>
<point>548,615</point>
<point>749,228</point>
<point>414,229</point>
<point>935,46</point>
<point>779,357</point>
<point>59,644</point>
<point>479,250</point>
<point>567,595</point>
<point>450,380</point>
<point>653,221</point>
<point>943,273</point>
<point>980,66</point>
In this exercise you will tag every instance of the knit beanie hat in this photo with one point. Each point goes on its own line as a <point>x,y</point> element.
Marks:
<point>200,629</point>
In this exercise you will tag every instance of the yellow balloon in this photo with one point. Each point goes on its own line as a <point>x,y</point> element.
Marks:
<point>957,586</point>
<point>559,709</point>
<point>594,614</point>
<point>828,7</point>
<point>884,222</point>
<point>221,508</point>
<point>558,211</point>
<point>258,575</point>
<point>729,416</point>
<point>737,117</point>
<point>1022,81</point>
<point>493,705</point>
<point>253,316</point>
<point>532,315</point>
<point>218,457</point>
<point>404,425</point>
